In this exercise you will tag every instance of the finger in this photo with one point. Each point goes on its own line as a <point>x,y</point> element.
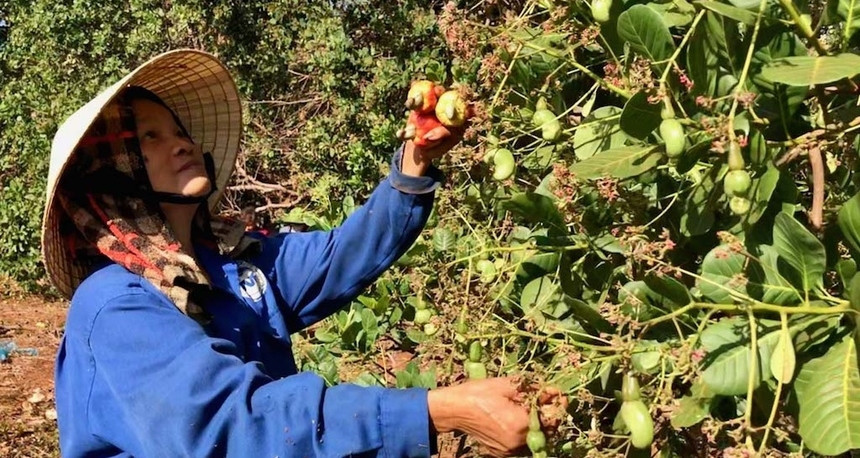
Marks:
<point>437,133</point>
<point>548,394</point>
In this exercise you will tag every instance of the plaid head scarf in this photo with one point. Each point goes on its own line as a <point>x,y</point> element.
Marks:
<point>130,229</point>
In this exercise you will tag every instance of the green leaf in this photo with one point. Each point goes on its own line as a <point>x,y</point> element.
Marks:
<point>370,328</point>
<point>348,206</point>
<point>731,12</point>
<point>586,314</point>
<point>427,379</point>
<point>695,153</point>
<point>608,243</point>
<point>810,70</point>
<point>539,296</point>
<point>599,131</point>
<point>541,53</point>
<point>416,336</point>
<point>766,280</point>
<point>646,32</point>
<point>780,100</point>
<point>722,39</point>
<point>702,63</point>
<point>722,272</point>
<point>849,222</point>
<point>646,356</point>
<point>352,334</point>
<point>828,393</point>
<point>540,159</point>
<point>690,412</point>
<point>727,364</point>
<point>443,239</point>
<point>746,4</point>
<point>382,302</point>
<point>676,13</point>
<point>640,300</point>
<point>670,288</point>
<point>538,265</point>
<point>536,208</point>
<point>815,332</point>
<point>849,10</point>
<point>604,373</point>
<point>698,217</point>
<point>366,379</point>
<point>640,117</point>
<point>854,292</point>
<point>783,360</point>
<point>619,163</point>
<point>325,336</point>
<point>846,268</point>
<point>800,249</point>
<point>408,376</point>
<point>646,361</point>
<point>763,189</point>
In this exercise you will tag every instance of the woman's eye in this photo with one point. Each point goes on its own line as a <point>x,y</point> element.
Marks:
<point>147,135</point>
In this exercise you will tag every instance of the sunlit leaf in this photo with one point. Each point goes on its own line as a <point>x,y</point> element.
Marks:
<point>599,131</point>
<point>783,360</point>
<point>828,392</point>
<point>812,70</point>
<point>444,239</point>
<point>849,222</point>
<point>722,274</point>
<point>727,364</point>
<point>619,163</point>
<point>800,249</point>
<point>646,32</point>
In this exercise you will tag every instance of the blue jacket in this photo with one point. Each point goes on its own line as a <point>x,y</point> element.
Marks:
<point>136,377</point>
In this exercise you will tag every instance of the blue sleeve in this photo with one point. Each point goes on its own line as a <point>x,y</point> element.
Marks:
<point>165,388</point>
<point>317,273</point>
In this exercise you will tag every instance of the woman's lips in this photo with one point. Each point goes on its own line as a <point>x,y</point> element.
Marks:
<point>190,165</point>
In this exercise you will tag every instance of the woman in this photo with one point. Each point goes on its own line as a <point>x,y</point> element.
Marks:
<point>177,341</point>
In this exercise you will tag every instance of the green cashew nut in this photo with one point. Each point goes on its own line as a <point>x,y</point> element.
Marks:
<point>673,137</point>
<point>737,183</point>
<point>600,10</point>
<point>638,420</point>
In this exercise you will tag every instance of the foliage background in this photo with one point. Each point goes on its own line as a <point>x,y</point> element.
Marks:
<point>603,255</point>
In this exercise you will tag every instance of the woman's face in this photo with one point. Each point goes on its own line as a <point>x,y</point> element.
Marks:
<point>173,162</point>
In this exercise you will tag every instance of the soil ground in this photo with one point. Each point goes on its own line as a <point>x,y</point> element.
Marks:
<point>28,426</point>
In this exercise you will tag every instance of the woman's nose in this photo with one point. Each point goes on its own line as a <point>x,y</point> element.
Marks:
<point>182,145</point>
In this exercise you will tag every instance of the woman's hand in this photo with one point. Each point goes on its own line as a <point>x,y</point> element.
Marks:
<point>416,159</point>
<point>487,410</point>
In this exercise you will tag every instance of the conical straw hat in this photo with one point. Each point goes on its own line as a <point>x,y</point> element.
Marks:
<point>198,88</point>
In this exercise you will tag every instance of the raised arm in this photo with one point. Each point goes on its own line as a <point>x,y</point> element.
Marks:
<point>317,273</point>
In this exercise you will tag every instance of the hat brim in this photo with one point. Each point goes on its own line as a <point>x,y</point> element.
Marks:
<point>202,93</point>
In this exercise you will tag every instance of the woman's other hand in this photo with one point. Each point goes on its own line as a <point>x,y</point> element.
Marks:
<point>487,410</point>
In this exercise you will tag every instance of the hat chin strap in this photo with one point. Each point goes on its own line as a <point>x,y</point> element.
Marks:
<point>111,181</point>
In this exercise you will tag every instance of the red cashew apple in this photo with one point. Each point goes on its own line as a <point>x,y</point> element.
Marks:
<point>418,125</point>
